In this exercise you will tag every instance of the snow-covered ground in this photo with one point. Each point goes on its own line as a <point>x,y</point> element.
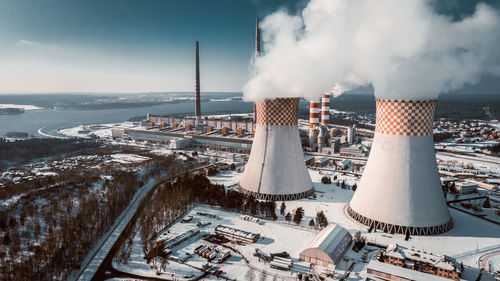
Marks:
<point>469,239</point>
<point>97,255</point>
<point>100,131</point>
<point>125,158</point>
<point>494,264</point>
<point>477,161</point>
<point>23,106</point>
<point>227,178</point>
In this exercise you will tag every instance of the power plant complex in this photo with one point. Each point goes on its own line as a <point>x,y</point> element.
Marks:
<point>400,189</point>
<point>357,186</point>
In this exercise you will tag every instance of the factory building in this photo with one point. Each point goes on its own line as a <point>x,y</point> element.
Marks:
<point>388,272</point>
<point>400,190</point>
<point>236,234</point>
<point>466,187</point>
<point>276,168</point>
<point>419,261</point>
<point>353,151</point>
<point>351,134</point>
<point>327,247</point>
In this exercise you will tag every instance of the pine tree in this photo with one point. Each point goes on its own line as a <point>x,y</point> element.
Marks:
<point>321,219</point>
<point>311,222</point>
<point>283,209</point>
<point>299,214</point>
<point>288,217</point>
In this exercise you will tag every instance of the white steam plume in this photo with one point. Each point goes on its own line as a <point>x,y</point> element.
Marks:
<point>403,48</point>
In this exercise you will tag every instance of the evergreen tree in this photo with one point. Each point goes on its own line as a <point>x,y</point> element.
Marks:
<point>321,219</point>
<point>299,214</point>
<point>311,222</point>
<point>354,187</point>
<point>283,209</point>
<point>288,217</point>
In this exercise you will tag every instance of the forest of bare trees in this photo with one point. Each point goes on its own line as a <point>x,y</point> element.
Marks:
<point>48,232</point>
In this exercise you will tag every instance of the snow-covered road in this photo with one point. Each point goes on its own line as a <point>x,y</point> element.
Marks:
<point>95,258</point>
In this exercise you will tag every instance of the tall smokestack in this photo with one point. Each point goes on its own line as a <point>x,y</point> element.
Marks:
<point>197,82</point>
<point>313,114</point>
<point>325,109</point>
<point>276,169</point>
<point>313,123</point>
<point>257,37</point>
<point>400,190</point>
<point>257,53</point>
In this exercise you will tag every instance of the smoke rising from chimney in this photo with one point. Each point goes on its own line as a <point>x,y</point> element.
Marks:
<point>402,48</point>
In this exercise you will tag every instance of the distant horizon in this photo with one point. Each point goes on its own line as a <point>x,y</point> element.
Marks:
<point>126,47</point>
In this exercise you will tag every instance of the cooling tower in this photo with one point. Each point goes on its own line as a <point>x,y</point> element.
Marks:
<point>400,190</point>
<point>276,168</point>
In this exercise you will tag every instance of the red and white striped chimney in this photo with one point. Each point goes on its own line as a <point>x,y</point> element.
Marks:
<point>325,109</point>
<point>313,114</point>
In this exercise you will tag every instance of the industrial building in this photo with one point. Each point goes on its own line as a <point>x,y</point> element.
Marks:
<point>385,271</point>
<point>181,138</point>
<point>236,234</point>
<point>328,246</point>
<point>466,187</point>
<point>400,190</point>
<point>353,151</point>
<point>276,169</point>
<point>415,260</point>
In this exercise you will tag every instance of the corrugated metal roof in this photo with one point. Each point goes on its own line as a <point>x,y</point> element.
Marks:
<point>329,239</point>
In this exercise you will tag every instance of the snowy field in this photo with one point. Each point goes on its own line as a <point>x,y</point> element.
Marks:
<point>100,131</point>
<point>476,161</point>
<point>22,106</point>
<point>125,158</point>
<point>227,178</point>
<point>469,239</point>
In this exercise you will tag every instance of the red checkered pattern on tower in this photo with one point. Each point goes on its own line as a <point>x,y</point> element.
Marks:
<point>405,117</point>
<point>278,111</point>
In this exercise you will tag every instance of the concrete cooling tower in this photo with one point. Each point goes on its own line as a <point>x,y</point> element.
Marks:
<point>400,190</point>
<point>276,168</point>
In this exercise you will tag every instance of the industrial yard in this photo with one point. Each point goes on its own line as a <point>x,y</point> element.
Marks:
<point>199,224</point>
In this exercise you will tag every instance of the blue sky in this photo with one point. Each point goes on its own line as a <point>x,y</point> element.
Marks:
<point>135,46</point>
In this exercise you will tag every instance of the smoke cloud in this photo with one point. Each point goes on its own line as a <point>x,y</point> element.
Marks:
<point>402,48</point>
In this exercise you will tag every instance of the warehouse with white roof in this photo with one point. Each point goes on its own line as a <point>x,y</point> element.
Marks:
<point>328,247</point>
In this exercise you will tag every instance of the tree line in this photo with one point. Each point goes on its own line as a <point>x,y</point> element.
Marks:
<point>25,150</point>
